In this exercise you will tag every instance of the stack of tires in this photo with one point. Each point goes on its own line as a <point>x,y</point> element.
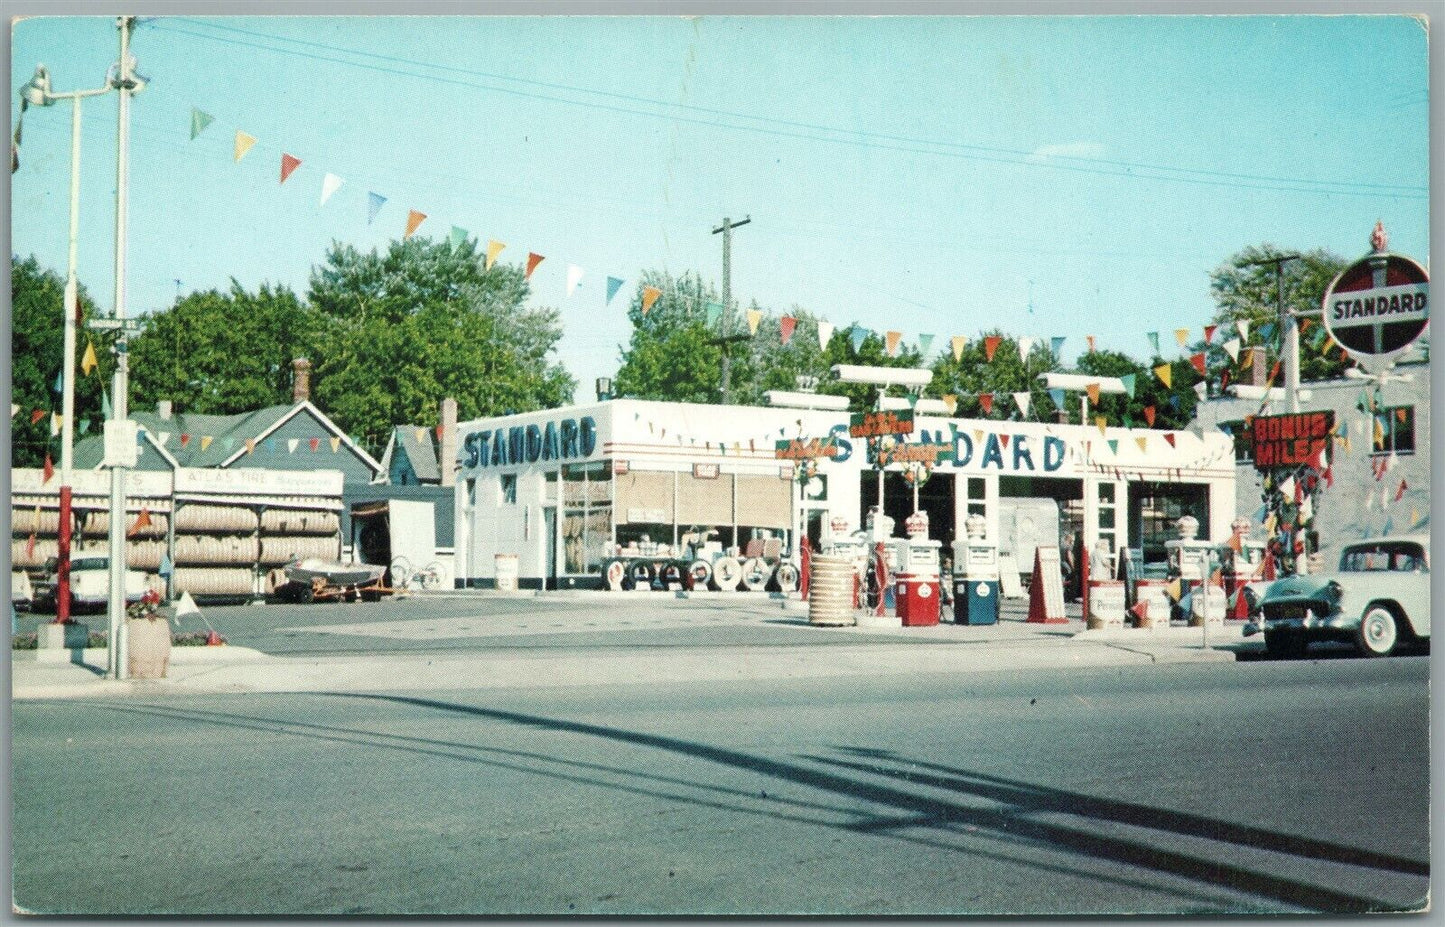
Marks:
<point>144,547</point>
<point>726,574</point>
<point>216,550</point>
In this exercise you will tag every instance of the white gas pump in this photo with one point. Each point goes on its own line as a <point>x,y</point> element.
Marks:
<point>1192,561</point>
<point>916,589</point>
<point>975,574</point>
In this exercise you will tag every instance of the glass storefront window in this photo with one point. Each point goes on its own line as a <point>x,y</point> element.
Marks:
<point>586,516</point>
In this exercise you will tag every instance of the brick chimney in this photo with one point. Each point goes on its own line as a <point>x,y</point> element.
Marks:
<point>448,452</point>
<point>301,387</point>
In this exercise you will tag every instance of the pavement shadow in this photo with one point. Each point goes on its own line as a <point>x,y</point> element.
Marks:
<point>927,811</point>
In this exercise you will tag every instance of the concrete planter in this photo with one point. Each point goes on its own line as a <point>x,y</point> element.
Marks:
<point>148,648</point>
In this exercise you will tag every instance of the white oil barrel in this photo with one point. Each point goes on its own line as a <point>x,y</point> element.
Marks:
<point>830,591</point>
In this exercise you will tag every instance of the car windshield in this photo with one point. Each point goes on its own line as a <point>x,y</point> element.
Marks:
<point>1383,558</point>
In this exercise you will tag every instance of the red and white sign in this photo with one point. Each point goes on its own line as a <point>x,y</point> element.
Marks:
<point>1378,306</point>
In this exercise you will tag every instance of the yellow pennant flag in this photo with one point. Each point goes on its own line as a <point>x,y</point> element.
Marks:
<point>650,295</point>
<point>414,220</point>
<point>1101,421</point>
<point>950,402</point>
<point>1093,390</point>
<point>494,248</point>
<point>89,362</point>
<point>206,441</point>
<point>1269,524</point>
<point>892,339</point>
<point>754,317</point>
<point>958,342</point>
<point>1414,517</point>
<point>1174,590</point>
<point>250,445</point>
<point>243,144</point>
<point>420,435</point>
<point>1165,375</point>
<point>335,444</point>
<point>1183,335</point>
<point>1143,443</point>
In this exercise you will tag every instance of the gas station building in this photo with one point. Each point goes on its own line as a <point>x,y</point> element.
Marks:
<point>563,490</point>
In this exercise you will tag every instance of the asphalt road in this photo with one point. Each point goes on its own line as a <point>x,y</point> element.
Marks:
<point>1244,787</point>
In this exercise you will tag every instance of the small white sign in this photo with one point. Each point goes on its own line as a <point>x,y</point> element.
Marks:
<point>121,443</point>
<point>1405,303</point>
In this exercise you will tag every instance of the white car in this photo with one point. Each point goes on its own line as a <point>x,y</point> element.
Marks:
<point>1378,600</point>
<point>89,585</point>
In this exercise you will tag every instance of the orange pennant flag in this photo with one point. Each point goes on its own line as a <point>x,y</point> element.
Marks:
<point>49,470</point>
<point>206,441</point>
<point>288,164</point>
<point>958,342</point>
<point>650,295</point>
<point>142,521</point>
<point>1198,361</point>
<point>1090,339</point>
<point>892,339</point>
<point>1165,375</point>
<point>1149,413</point>
<point>1093,390</point>
<point>250,445</point>
<point>533,259</point>
<point>414,220</point>
<point>36,416</point>
<point>990,345</point>
<point>494,248</point>
<point>986,400</point>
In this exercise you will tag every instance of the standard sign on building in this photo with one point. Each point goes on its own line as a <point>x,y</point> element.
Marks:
<point>1378,306</point>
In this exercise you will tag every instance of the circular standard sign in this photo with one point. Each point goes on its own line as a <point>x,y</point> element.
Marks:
<point>1377,307</point>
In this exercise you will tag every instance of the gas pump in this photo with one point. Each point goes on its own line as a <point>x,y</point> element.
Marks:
<point>916,559</point>
<point>975,575</point>
<point>1242,557</point>
<point>1191,561</point>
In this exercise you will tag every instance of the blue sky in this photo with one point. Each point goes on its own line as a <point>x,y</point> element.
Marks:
<point>934,175</point>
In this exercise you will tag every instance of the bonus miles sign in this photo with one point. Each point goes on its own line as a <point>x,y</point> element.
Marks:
<point>1378,306</point>
<point>1289,440</point>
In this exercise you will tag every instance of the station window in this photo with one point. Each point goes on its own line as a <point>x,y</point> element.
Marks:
<point>1394,430</point>
<point>1243,446</point>
<point>977,496</point>
<point>509,489</point>
<point>586,516</point>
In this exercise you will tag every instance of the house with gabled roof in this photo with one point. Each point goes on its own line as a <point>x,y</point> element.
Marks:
<point>411,457</point>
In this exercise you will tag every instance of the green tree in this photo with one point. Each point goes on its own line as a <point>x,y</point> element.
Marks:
<point>222,353</point>
<point>671,354</point>
<point>973,376</point>
<point>1173,404</point>
<point>401,330</point>
<point>37,343</point>
<point>1247,291</point>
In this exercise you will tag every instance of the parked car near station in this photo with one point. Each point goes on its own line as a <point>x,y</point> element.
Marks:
<point>89,585</point>
<point>1378,600</point>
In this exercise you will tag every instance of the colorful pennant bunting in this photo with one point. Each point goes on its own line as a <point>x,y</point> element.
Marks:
<point>786,325</point>
<point>574,277</point>
<point>329,185</point>
<point>374,202</point>
<point>289,163</point>
<point>958,341</point>
<point>1165,375</point>
<point>494,248</point>
<point>755,317</point>
<point>613,285</point>
<point>1182,336</point>
<point>990,345</point>
<point>243,145</point>
<point>199,121</point>
<point>533,259</point>
<point>825,334</point>
<point>414,220</point>
<point>891,340</point>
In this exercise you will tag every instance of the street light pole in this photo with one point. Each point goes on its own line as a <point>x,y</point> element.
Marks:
<point>37,92</point>
<point>126,83</point>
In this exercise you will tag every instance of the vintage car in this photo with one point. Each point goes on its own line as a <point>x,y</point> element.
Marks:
<point>89,584</point>
<point>1378,599</point>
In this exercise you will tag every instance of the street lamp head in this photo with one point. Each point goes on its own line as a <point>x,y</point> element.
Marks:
<point>36,91</point>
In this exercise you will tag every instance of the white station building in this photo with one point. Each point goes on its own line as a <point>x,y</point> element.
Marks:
<point>566,489</point>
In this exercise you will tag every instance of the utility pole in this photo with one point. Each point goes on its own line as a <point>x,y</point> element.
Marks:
<point>726,338</point>
<point>1289,326</point>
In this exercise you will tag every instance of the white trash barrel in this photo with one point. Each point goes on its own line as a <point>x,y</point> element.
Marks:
<point>830,591</point>
<point>507,572</point>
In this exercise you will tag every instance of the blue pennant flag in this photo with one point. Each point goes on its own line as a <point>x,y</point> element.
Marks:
<point>1389,525</point>
<point>858,335</point>
<point>1174,401</point>
<point>1266,331</point>
<point>166,567</point>
<point>714,312</point>
<point>1128,381</point>
<point>924,343</point>
<point>375,202</point>
<point>1056,345</point>
<point>59,386</point>
<point>1057,395</point>
<point>613,285</point>
<point>1154,342</point>
<point>459,236</point>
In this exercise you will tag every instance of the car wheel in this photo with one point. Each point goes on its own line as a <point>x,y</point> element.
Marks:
<point>1285,645</point>
<point>1379,632</point>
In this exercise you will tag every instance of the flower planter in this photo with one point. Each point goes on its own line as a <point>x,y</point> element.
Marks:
<point>148,648</point>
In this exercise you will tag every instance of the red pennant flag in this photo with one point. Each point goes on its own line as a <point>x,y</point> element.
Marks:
<point>441,430</point>
<point>1003,439</point>
<point>1209,332</point>
<point>142,521</point>
<point>30,545</point>
<point>185,439</point>
<point>1169,436</point>
<point>1198,361</point>
<point>49,469</point>
<point>787,323</point>
<point>288,164</point>
<point>1241,606</point>
<point>36,416</point>
<point>1149,413</point>
<point>986,400</point>
<point>1140,610</point>
<point>1329,476</point>
<point>1400,493</point>
<point>1274,372</point>
<point>533,259</point>
<point>990,345</point>
<point>1299,492</point>
<point>1224,380</point>
<point>315,443</point>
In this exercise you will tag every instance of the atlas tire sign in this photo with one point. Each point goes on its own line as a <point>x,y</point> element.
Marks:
<point>1377,307</point>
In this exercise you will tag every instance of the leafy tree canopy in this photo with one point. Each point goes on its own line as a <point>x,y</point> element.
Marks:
<point>37,343</point>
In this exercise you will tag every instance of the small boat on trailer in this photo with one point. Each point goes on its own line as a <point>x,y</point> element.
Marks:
<point>315,580</point>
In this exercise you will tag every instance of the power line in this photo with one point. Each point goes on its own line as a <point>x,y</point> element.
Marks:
<point>1012,157</point>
